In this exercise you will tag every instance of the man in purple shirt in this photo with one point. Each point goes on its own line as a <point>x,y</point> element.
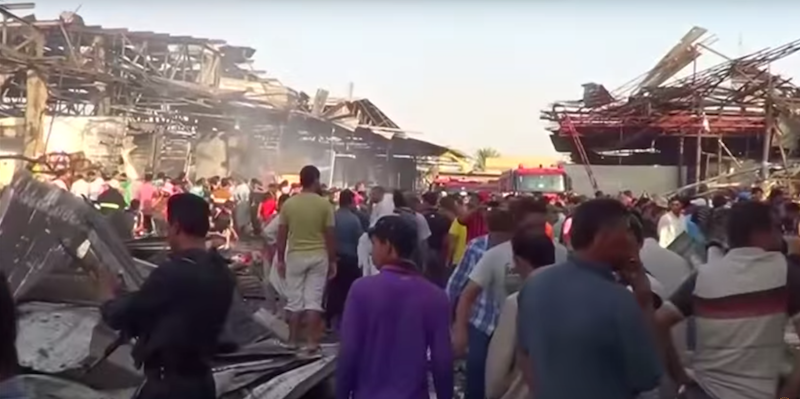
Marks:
<point>396,325</point>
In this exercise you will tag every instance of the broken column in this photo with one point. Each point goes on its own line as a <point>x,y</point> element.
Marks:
<point>36,105</point>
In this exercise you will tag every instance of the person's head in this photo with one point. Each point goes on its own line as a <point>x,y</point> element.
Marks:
<point>282,200</point>
<point>376,194</point>
<point>400,199</point>
<point>628,193</point>
<point>148,177</point>
<point>414,202</point>
<point>500,221</point>
<point>272,188</point>
<point>161,176</point>
<point>347,199</point>
<point>200,182</point>
<point>599,194</point>
<point>776,196</point>
<point>719,201</point>
<point>754,224</point>
<point>225,182</point>
<point>529,212</point>
<point>91,174</point>
<point>450,206</point>
<point>9,363</point>
<point>188,221</point>
<point>532,250</point>
<point>757,194</point>
<point>135,205</point>
<point>394,240</point>
<point>431,199</point>
<point>649,227</point>
<point>675,205</point>
<point>601,232</point>
<point>309,178</point>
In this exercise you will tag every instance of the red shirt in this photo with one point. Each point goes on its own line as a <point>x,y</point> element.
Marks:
<point>268,208</point>
<point>476,225</point>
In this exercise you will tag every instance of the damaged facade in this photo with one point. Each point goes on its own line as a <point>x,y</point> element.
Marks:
<point>180,104</point>
<point>705,122</point>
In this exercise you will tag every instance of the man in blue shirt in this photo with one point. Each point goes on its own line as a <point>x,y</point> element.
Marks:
<point>347,229</point>
<point>581,333</point>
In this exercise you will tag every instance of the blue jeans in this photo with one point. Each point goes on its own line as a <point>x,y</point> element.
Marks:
<point>477,350</point>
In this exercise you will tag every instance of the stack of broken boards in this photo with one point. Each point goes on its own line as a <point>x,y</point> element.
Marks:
<point>46,236</point>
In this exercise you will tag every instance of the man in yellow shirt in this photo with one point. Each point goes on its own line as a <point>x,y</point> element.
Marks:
<point>306,255</point>
<point>458,242</point>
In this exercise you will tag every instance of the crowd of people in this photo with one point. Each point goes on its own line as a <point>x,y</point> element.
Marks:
<point>540,297</point>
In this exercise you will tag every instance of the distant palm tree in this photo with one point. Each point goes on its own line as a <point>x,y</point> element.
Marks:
<point>481,155</point>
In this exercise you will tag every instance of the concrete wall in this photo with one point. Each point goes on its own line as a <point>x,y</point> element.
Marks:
<point>612,179</point>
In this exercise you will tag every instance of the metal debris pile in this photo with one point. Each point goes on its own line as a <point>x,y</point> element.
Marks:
<point>46,235</point>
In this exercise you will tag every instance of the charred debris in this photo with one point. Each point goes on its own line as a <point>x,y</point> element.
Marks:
<point>50,239</point>
<point>166,98</point>
<point>170,93</point>
<point>731,122</point>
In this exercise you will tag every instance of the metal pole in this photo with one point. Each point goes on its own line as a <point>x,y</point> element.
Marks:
<point>699,144</point>
<point>769,122</point>
<point>333,160</point>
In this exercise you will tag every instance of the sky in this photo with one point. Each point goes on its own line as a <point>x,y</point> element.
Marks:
<point>467,74</point>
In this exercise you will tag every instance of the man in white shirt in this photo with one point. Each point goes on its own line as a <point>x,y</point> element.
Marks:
<point>672,223</point>
<point>490,274</point>
<point>504,379</point>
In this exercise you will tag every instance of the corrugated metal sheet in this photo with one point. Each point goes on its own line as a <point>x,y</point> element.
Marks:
<point>42,227</point>
<point>46,235</point>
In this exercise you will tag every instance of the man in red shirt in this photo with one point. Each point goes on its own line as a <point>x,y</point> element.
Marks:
<point>268,207</point>
<point>475,218</point>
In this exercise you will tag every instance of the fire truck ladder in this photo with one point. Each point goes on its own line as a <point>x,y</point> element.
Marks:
<point>567,124</point>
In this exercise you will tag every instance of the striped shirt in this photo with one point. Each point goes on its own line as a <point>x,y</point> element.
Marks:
<point>741,304</point>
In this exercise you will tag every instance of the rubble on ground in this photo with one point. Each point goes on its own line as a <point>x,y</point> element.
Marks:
<point>47,236</point>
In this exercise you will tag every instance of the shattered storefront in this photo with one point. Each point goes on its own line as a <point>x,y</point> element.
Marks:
<point>47,239</point>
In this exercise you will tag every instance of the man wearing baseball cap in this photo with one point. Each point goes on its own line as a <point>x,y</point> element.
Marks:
<point>390,321</point>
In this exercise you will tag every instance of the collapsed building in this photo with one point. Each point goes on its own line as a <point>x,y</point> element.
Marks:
<point>182,104</point>
<point>701,124</point>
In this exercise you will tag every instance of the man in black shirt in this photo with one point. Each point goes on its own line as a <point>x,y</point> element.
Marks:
<point>180,310</point>
<point>439,215</point>
<point>110,201</point>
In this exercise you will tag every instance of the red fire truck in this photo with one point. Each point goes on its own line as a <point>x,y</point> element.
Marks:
<point>548,180</point>
<point>460,182</point>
